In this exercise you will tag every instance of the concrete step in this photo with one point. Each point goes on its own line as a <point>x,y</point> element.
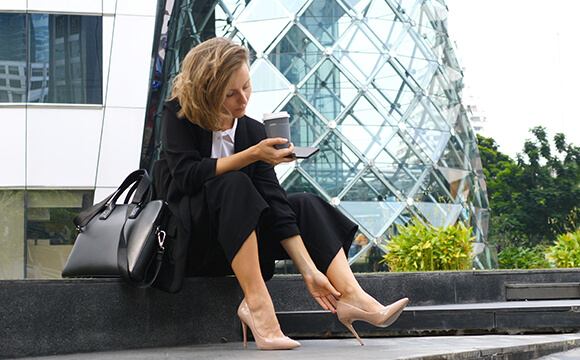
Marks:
<point>516,317</point>
<point>543,291</point>
<point>48,317</point>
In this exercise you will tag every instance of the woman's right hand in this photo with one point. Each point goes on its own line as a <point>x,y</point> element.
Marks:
<point>265,151</point>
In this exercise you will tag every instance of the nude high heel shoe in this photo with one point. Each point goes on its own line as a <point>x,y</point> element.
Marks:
<point>279,343</point>
<point>383,318</point>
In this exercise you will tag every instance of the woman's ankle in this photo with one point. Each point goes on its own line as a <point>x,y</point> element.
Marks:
<point>362,300</point>
<point>264,316</point>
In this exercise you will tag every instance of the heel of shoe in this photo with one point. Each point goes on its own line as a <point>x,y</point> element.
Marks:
<point>245,332</point>
<point>351,328</point>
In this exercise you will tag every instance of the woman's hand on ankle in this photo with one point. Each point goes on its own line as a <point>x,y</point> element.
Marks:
<point>322,290</point>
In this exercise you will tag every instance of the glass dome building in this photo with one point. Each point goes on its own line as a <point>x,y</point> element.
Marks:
<point>375,84</point>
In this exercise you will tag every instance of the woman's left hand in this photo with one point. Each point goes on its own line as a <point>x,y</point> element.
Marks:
<point>322,290</point>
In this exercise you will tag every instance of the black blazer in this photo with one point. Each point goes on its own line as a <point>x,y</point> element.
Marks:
<point>187,149</point>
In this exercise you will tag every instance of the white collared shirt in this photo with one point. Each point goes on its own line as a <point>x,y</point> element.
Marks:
<point>222,144</point>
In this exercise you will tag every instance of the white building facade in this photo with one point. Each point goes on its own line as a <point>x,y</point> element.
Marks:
<point>74,82</point>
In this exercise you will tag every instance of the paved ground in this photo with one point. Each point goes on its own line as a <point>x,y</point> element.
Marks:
<point>567,355</point>
<point>431,348</point>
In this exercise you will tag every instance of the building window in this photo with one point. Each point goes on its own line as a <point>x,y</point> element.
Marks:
<point>13,70</point>
<point>35,85</point>
<point>15,84</point>
<point>42,221</point>
<point>63,52</point>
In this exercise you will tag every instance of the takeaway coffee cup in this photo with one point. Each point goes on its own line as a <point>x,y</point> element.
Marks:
<point>278,125</point>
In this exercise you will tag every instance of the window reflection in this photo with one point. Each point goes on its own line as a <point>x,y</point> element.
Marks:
<point>42,220</point>
<point>50,58</point>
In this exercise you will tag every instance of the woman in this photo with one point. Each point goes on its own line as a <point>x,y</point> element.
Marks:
<point>242,220</point>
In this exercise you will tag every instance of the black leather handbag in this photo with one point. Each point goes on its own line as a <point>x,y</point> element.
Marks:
<point>121,240</point>
<point>178,228</point>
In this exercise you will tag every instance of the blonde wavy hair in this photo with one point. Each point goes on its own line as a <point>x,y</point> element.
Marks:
<point>203,82</point>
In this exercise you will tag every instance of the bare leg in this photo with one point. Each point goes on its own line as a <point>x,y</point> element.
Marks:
<point>246,266</point>
<point>340,275</point>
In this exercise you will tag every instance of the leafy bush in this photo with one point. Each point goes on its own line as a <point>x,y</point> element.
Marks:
<point>565,253</point>
<point>523,258</point>
<point>421,247</point>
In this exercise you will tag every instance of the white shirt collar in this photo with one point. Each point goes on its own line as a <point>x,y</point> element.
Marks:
<point>223,142</point>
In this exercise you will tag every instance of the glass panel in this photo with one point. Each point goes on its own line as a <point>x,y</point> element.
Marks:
<point>432,142</point>
<point>359,6</point>
<point>269,88</point>
<point>439,215</point>
<point>398,149</point>
<point>412,59</point>
<point>305,125</point>
<point>457,182</point>
<point>12,225</point>
<point>64,58</point>
<point>324,19</point>
<point>328,90</point>
<point>295,55</point>
<point>50,231</point>
<point>381,21</point>
<point>374,217</point>
<point>433,190</point>
<point>297,183</point>
<point>359,55</point>
<point>333,166</point>
<point>362,130</point>
<point>13,57</point>
<point>426,116</point>
<point>478,192</point>
<point>464,131</point>
<point>453,156</point>
<point>369,188</point>
<point>388,110</point>
<point>261,22</point>
<point>480,222</point>
<point>292,6</point>
<point>389,84</point>
<point>366,256</point>
<point>266,78</point>
<point>443,93</point>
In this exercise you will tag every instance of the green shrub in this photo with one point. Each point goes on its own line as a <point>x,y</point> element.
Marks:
<point>523,258</point>
<point>565,253</point>
<point>421,247</point>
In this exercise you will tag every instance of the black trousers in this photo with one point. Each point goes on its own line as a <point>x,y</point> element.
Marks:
<point>230,208</point>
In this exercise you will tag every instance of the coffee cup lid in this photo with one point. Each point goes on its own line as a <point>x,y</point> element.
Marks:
<point>276,115</point>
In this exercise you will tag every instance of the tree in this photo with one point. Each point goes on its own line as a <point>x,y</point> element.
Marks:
<point>531,199</point>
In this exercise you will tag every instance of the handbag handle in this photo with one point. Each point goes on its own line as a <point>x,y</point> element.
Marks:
<point>123,260</point>
<point>141,187</point>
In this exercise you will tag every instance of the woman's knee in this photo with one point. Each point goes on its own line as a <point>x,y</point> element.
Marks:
<point>298,200</point>
<point>233,190</point>
<point>232,181</point>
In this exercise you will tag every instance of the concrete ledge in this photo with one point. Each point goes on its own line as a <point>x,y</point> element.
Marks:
<point>425,288</point>
<point>46,317</point>
<point>69,316</point>
<point>526,317</point>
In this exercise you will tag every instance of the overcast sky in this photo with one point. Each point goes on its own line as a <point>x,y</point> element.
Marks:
<point>522,64</point>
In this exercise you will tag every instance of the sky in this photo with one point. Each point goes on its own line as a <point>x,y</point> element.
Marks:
<point>521,61</point>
